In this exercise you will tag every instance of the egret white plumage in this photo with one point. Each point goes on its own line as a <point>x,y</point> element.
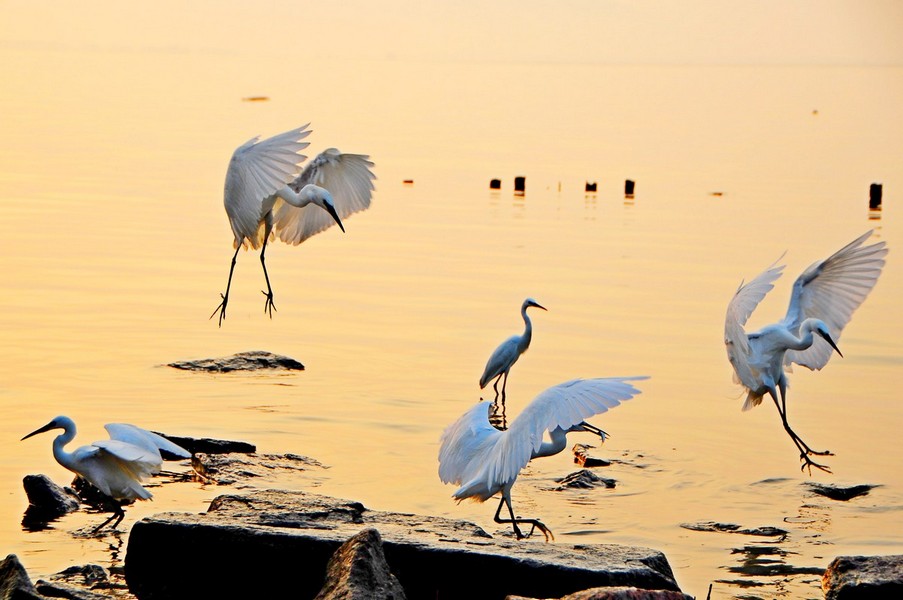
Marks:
<point>503,357</point>
<point>268,195</point>
<point>821,304</point>
<point>484,461</point>
<point>116,466</point>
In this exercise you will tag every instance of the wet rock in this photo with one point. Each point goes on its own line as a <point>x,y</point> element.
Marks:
<point>61,590</point>
<point>210,446</point>
<point>359,571</point>
<point>14,581</point>
<point>583,479</point>
<point>582,457</point>
<point>853,577</point>
<point>255,360</point>
<point>618,593</point>
<point>839,492</point>
<point>274,532</point>
<point>46,501</point>
<point>226,469</point>
<point>767,531</point>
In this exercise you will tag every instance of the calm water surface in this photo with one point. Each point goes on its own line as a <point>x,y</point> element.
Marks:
<point>118,248</point>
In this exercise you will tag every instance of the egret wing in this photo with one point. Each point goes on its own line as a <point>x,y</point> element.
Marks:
<point>463,445</point>
<point>831,290</point>
<point>257,170</point>
<point>145,439</point>
<point>137,460</point>
<point>741,306</point>
<point>501,359</point>
<point>347,177</point>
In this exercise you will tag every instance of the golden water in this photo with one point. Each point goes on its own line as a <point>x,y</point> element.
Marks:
<point>117,248</point>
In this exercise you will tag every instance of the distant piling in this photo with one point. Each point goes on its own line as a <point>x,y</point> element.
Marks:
<point>875,191</point>
<point>520,184</point>
<point>590,186</point>
<point>628,188</point>
<point>495,184</point>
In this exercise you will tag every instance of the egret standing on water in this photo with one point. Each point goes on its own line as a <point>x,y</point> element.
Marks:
<point>116,466</point>
<point>265,195</point>
<point>508,352</point>
<point>822,302</point>
<point>484,461</point>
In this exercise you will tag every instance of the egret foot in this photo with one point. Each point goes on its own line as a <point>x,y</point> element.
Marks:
<point>118,514</point>
<point>221,309</point>
<point>809,463</point>
<point>269,306</point>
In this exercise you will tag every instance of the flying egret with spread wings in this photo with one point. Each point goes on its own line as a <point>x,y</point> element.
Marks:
<point>116,466</point>
<point>484,461</point>
<point>503,357</point>
<point>268,195</point>
<point>821,304</point>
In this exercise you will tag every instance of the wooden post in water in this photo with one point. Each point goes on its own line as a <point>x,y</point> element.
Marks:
<point>875,196</point>
<point>520,184</point>
<point>590,187</point>
<point>495,184</point>
<point>628,188</point>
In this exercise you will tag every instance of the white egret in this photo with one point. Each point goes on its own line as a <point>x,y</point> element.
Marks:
<point>503,357</point>
<point>265,196</point>
<point>116,466</point>
<point>821,304</point>
<point>484,461</point>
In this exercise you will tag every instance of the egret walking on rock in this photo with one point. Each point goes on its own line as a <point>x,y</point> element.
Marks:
<point>484,461</point>
<point>116,466</point>
<point>821,304</point>
<point>503,357</point>
<point>265,196</point>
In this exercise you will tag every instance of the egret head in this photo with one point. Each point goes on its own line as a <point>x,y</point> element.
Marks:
<point>328,204</point>
<point>60,422</point>
<point>821,329</point>
<point>531,302</point>
<point>584,426</point>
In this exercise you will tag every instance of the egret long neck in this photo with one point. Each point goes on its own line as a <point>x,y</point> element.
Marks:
<point>806,338</point>
<point>298,199</point>
<point>524,342</point>
<point>59,453</point>
<point>559,441</point>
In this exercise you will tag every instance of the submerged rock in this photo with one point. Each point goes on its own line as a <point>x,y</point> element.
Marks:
<point>273,533</point>
<point>226,469</point>
<point>583,479</point>
<point>582,457</point>
<point>852,577</point>
<point>359,571</point>
<point>767,531</point>
<point>46,501</point>
<point>210,446</point>
<point>839,492</point>
<point>255,360</point>
<point>14,581</point>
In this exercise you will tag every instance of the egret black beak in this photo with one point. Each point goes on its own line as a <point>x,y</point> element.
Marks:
<point>830,341</point>
<point>593,429</point>
<point>46,427</point>
<point>331,210</point>
<point>537,305</point>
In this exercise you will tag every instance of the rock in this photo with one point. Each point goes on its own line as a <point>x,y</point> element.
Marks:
<point>582,458</point>
<point>14,581</point>
<point>618,593</point>
<point>46,501</point>
<point>853,577</point>
<point>583,479</point>
<point>359,571</point>
<point>273,533</point>
<point>767,531</point>
<point>226,469</point>
<point>62,590</point>
<point>255,360</point>
<point>210,446</point>
<point>839,492</point>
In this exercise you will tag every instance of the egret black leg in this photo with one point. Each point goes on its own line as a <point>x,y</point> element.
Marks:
<point>221,309</point>
<point>118,515</point>
<point>801,446</point>
<point>535,523</point>
<point>269,306</point>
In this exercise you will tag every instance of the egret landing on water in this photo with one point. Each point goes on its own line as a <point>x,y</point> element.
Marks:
<point>265,196</point>
<point>116,466</point>
<point>484,461</point>
<point>503,357</point>
<point>822,302</point>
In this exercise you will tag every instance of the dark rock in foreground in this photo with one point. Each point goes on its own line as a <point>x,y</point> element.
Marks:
<point>226,469</point>
<point>839,492</point>
<point>619,593</point>
<point>209,446</point>
<point>14,581</point>
<point>583,479</point>
<point>359,571</point>
<point>852,577</point>
<point>254,360</point>
<point>767,531</point>
<point>46,501</point>
<point>287,538</point>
